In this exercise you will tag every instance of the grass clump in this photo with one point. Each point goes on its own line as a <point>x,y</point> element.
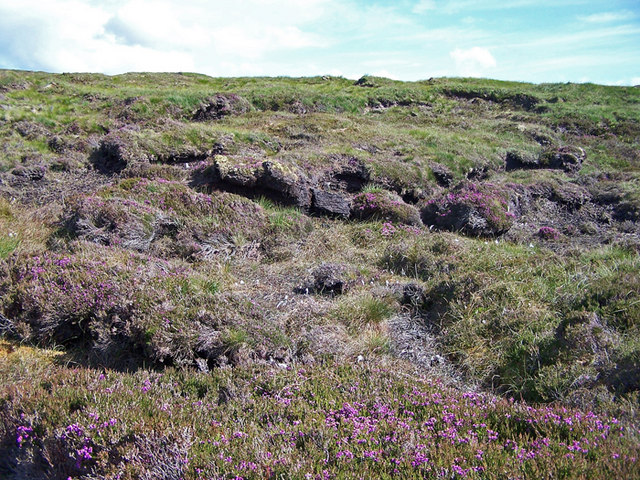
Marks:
<point>360,310</point>
<point>511,315</point>
<point>7,245</point>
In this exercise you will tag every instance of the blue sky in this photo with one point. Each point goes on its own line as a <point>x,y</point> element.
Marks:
<point>526,40</point>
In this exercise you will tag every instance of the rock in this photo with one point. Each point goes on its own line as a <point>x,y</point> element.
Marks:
<point>521,160</point>
<point>269,179</point>
<point>329,203</point>
<point>221,105</point>
<point>229,174</point>
<point>291,186</point>
<point>352,176</point>
<point>326,279</point>
<point>567,158</point>
<point>443,175</point>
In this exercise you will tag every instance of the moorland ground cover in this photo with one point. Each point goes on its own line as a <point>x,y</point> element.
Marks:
<point>317,278</point>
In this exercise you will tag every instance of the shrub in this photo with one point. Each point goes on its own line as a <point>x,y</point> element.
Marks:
<point>475,209</point>
<point>120,306</point>
<point>384,205</point>
<point>548,233</point>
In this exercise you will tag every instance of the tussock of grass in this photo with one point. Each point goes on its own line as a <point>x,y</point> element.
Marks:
<point>361,310</point>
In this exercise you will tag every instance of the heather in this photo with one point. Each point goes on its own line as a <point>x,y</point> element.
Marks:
<point>328,421</point>
<point>121,307</point>
<point>317,278</point>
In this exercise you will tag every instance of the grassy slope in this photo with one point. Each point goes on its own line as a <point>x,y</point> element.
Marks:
<point>183,278</point>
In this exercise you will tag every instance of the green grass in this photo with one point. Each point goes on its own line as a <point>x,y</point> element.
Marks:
<point>7,246</point>
<point>361,310</point>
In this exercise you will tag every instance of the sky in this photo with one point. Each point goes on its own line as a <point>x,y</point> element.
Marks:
<point>524,40</point>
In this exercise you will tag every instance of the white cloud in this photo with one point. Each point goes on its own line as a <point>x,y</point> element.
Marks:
<point>156,25</point>
<point>385,73</point>
<point>473,62</point>
<point>589,62</point>
<point>457,6</point>
<point>311,37</point>
<point>238,40</point>
<point>153,35</point>
<point>635,81</point>
<point>607,17</point>
<point>424,5</point>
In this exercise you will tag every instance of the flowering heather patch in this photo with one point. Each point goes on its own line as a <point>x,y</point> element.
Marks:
<point>548,233</point>
<point>383,205</point>
<point>312,422</point>
<point>480,210</point>
<point>388,229</point>
<point>120,305</point>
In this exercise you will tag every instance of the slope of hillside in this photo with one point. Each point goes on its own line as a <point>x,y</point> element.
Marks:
<point>317,278</point>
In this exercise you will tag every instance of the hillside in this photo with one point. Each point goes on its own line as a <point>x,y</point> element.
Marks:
<point>317,278</point>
